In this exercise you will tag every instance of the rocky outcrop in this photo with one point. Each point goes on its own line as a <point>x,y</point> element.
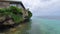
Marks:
<point>6,20</point>
<point>13,15</point>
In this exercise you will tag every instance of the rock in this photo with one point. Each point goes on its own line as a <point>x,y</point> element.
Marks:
<point>9,22</point>
<point>13,30</point>
<point>2,18</point>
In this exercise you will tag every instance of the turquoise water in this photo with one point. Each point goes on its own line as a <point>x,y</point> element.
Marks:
<point>45,26</point>
<point>37,26</point>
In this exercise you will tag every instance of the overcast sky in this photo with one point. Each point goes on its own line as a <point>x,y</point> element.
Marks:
<point>43,7</point>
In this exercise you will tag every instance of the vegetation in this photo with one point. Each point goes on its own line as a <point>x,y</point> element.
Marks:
<point>15,13</point>
<point>29,14</point>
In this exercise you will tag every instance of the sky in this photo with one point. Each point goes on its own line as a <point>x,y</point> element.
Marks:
<point>43,7</point>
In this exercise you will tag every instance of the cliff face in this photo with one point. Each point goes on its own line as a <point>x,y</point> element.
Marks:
<point>12,15</point>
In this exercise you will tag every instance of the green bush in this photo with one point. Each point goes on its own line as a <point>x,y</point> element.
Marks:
<point>29,14</point>
<point>14,12</point>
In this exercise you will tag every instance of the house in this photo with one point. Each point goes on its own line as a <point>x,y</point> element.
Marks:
<point>19,4</point>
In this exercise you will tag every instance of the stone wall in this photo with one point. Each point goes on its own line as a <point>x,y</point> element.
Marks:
<point>4,4</point>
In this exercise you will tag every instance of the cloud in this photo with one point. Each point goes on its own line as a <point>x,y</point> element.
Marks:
<point>43,7</point>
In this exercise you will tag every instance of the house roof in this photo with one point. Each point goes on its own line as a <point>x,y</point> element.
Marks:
<point>12,2</point>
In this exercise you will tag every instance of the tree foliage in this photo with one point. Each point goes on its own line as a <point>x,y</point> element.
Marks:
<point>15,13</point>
<point>29,14</point>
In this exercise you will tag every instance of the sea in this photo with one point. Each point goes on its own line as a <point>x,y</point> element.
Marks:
<point>45,25</point>
<point>37,25</point>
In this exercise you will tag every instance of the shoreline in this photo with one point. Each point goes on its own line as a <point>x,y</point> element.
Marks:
<point>3,28</point>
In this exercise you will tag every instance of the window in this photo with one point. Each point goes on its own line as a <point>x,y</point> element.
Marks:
<point>12,4</point>
<point>17,5</point>
<point>20,6</point>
